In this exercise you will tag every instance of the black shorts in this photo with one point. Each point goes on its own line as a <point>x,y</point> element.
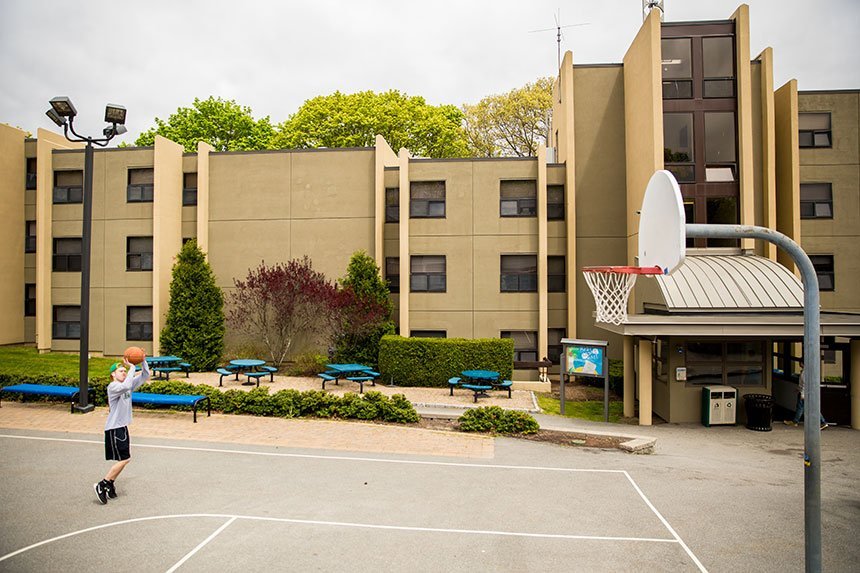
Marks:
<point>117,444</point>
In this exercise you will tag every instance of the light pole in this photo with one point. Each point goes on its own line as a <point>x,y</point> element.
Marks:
<point>63,113</point>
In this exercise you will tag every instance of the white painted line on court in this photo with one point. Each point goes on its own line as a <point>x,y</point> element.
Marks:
<point>321,457</point>
<point>201,545</point>
<point>666,524</point>
<point>233,518</point>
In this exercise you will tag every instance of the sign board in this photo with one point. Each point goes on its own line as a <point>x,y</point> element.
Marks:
<point>585,358</point>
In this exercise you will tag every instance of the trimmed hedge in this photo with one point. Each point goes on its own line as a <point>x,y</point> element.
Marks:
<point>498,421</point>
<point>432,361</point>
<point>258,402</point>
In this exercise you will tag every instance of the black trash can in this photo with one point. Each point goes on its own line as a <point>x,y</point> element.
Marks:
<point>759,409</point>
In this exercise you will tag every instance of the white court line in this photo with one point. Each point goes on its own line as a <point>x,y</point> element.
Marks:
<point>333,524</point>
<point>201,545</point>
<point>677,538</point>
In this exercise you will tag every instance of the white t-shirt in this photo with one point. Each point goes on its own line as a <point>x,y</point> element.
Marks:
<point>119,397</point>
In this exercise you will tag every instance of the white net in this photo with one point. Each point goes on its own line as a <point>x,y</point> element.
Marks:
<point>611,291</point>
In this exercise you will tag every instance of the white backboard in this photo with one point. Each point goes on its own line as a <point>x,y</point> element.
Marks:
<point>662,238</point>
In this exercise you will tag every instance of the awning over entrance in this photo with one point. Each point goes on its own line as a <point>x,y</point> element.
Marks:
<point>766,325</point>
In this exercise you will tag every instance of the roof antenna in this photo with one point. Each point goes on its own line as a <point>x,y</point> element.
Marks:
<point>558,34</point>
<point>648,5</point>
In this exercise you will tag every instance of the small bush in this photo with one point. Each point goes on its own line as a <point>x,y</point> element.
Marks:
<point>498,421</point>
<point>308,364</point>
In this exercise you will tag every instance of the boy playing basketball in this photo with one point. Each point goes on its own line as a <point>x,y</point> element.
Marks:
<point>123,383</point>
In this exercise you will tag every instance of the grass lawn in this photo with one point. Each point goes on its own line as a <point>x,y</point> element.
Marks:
<point>24,360</point>
<point>588,410</point>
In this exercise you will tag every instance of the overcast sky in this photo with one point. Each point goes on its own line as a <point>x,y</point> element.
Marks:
<point>153,56</point>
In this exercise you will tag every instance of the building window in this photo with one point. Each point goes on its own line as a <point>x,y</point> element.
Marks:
<point>30,237</point>
<point>428,334</point>
<point>427,199</point>
<point>722,211</point>
<point>720,153</point>
<point>392,274</point>
<point>825,270</point>
<point>67,322</point>
<point>518,198</point>
<point>816,201</point>
<point>525,344</point>
<point>67,255</point>
<point>68,187</point>
<point>814,129</point>
<point>518,273</point>
<point>554,337</point>
<point>31,173</point>
<point>677,68</point>
<point>556,277</point>
<point>718,67</point>
<point>738,363</point>
<point>138,323</point>
<point>140,185</point>
<point>427,273</point>
<point>660,357</point>
<point>138,254</point>
<point>189,189</point>
<point>392,204</point>
<point>30,299</point>
<point>555,202</point>
<point>678,145</point>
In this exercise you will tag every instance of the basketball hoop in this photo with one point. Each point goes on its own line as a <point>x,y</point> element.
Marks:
<point>611,288</point>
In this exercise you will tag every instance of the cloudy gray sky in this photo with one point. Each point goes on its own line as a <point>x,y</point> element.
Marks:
<point>154,56</point>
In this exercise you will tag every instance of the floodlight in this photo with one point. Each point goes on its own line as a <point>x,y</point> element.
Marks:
<point>63,106</point>
<point>115,114</point>
<point>55,118</point>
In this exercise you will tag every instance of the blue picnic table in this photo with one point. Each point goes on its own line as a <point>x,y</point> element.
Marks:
<point>353,372</point>
<point>249,365</point>
<point>478,381</point>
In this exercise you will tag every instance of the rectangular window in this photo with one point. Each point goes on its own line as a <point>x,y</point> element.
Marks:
<point>140,185</point>
<point>732,363</point>
<point>30,299</point>
<point>67,322</point>
<point>428,334</point>
<point>138,323</point>
<point>660,356</point>
<point>555,202</point>
<point>189,189</point>
<point>816,201</point>
<point>677,68</point>
<point>525,344</point>
<point>518,273</point>
<point>518,198</point>
<point>556,276</point>
<point>824,268</point>
<point>427,273</point>
<point>30,237</point>
<point>68,187</point>
<point>720,152</point>
<point>392,204</point>
<point>392,273</point>
<point>678,145</point>
<point>553,344</point>
<point>814,129</point>
<point>67,255</point>
<point>427,199</point>
<point>718,65</point>
<point>31,173</point>
<point>138,254</point>
<point>722,211</point>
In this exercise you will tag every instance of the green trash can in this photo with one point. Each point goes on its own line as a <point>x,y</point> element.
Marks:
<point>759,409</point>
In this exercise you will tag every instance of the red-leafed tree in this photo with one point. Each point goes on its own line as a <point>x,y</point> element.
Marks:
<point>284,303</point>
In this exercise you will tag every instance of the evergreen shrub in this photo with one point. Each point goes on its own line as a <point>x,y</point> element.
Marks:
<point>498,421</point>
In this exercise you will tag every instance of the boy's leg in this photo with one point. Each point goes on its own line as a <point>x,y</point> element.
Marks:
<point>116,469</point>
<point>798,414</point>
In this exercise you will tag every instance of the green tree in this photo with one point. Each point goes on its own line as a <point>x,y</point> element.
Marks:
<point>195,319</point>
<point>354,120</point>
<point>368,317</point>
<point>510,124</point>
<point>223,124</point>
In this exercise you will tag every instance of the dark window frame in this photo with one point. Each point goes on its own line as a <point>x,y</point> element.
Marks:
<point>825,270</point>
<point>515,281</point>
<point>556,282</point>
<point>67,262</point>
<point>429,275</point>
<point>812,134</point>
<point>425,333</point>
<point>29,238</point>
<point>189,194</point>
<point>31,175</point>
<point>137,330</point>
<point>554,351</point>
<point>422,207</point>
<point>727,367</point>
<point>65,329</point>
<point>67,194</point>
<point>525,204</point>
<point>554,209</point>
<point>522,354</point>
<point>29,302</point>
<point>392,279</point>
<point>392,204</point>
<point>138,261</point>
<point>140,192</point>
<point>810,208</point>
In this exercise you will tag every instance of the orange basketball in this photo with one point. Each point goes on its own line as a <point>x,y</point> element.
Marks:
<point>134,354</point>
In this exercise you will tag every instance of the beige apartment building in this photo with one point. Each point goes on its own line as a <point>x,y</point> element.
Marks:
<point>492,247</point>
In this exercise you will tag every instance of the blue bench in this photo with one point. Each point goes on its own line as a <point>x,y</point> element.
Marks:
<point>271,370</point>
<point>164,371</point>
<point>255,375</point>
<point>186,367</point>
<point>223,372</point>
<point>172,400</point>
<point>361,380</point>
<point>478,389</point>
<point>453,383</point>
<point>68,392</point>
<point>327,377</point>
<point>504,385</point>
